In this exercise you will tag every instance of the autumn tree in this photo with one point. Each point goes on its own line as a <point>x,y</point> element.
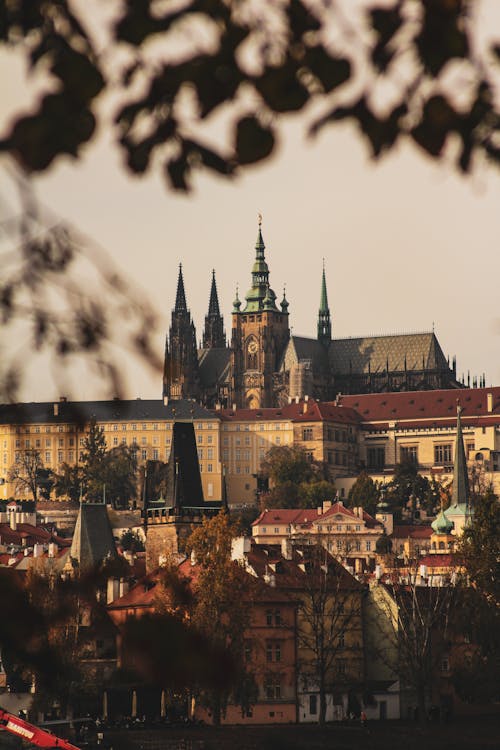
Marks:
<point>296,482</point>
<point>221,608</point>
<point>25,473</point>
<point>479,548</point>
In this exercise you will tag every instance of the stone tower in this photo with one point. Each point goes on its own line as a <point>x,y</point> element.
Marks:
<point>260,332</point>
<point>214,336</point>
<point>180,375</point>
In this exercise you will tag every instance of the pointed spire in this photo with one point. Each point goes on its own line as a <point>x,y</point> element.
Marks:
<point>259,245</point>
<point>180,298</point>
<point>324,322</point>
<point>213,335</point>
<point>213,305</point>
<point>460,494</point>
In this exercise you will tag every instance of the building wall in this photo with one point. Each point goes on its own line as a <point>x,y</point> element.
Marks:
<point>63,442</point>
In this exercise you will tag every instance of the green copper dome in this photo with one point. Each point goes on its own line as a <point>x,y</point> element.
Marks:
<point>441,524</point>
<point>237,302</point>
<point>260,296</point>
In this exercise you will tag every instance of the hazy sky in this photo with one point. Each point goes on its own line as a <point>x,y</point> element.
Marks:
<point>407,243</point>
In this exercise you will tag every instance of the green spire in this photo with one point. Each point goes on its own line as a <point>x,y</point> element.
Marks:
<point>260,290</point>
<point>460,494</point>
<point>324,322</point>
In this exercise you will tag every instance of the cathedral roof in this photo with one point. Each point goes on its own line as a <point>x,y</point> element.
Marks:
<point>410,351</point>
<point>214,365</point>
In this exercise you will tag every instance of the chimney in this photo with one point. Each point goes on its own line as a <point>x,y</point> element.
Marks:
<point>327,504</point>
<point>234,407</point>
<point>320,510</point>
<point>306,398</point>
<point>56,410</point>
<point>13,519</point>
<point>123,587</point>
<point>165,400</point>
<point>52,549</point>
<point>489,402</point>
<point>38,550</point>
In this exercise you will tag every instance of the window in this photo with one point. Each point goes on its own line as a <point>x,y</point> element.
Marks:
<point>47,457</point>
<point>357,545</point>
<point>60,456</point>
<point>442,454</point>
<point>134,441</point>
<point>309,456</point>
<point>341,666</point>
<point>341,641</point>
<point>155,426</point>
<point>144,427</point>
<point>144,454</point>
<point>144,441</point>
<point>409,453</point>
<point>376,458</point>
<point>273,616</point>
<point>368,546</point>
<point>115,427</point>
<point>272,687</point>
<point>38,443</point>
<point>210,453</point>
<point>134,427</point>
<point>156,454</point>
<point>37,429</point>
<point>210,468</point>
<point>210,438</point>
<point>307,433</point>
<point>445,665</point>
<point>199,438</point>
<point>277,440</point>
<point>313,704</point>
<point>200,454</point>
<point>247,439</point>
<point>273,651</point>
<point>27,443</point>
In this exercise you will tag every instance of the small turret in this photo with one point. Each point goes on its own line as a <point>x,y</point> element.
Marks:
<point>237,302</point>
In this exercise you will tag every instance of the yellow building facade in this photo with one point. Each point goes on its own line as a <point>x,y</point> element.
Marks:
<point>58,431</point>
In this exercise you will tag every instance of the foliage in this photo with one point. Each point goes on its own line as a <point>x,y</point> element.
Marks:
<point>132,540</point>
<point>46,630</point>
<point>328,611</point>
<point>221,610</point>
<point>245,518</point>
<point>479,548</point>
<point>287,464</point>
<point>258,64</point>
<point>295,481</point>
<point>312,494</point>
<point>408,487</point>
<point>25,472</point>
<point>109,473</point>
<point>69,482</point>
<point>364,493</point>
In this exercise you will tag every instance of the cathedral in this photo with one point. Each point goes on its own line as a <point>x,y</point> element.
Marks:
<point>264,365</point>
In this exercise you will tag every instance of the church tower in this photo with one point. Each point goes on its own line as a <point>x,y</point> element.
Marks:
<point>214,336</point>
<point>324,322</point>
<point>260,332</point>
<point>180,375</point>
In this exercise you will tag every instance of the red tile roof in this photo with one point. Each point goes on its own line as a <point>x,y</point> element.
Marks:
<point>412,532</point>
<point>304,411</point>
<point>420,405</point>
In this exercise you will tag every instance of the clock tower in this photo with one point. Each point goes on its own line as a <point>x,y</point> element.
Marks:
<point>260,333</point>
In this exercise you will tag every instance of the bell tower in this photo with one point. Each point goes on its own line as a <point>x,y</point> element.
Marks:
<point>260,332</point>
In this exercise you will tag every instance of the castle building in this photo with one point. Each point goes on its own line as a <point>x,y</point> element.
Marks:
<point>265,365</point>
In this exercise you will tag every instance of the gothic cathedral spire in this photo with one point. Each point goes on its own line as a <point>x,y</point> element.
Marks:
<point>214,335</point>
<point>181,376</point>
<point>460,492</point>
<point>324,322</point>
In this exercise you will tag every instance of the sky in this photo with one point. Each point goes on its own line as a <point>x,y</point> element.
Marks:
<point>408,244</point>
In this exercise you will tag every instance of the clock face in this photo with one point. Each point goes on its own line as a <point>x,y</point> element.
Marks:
<point>252,347</point>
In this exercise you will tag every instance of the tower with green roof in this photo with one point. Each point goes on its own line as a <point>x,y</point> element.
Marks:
<point>260,333</point>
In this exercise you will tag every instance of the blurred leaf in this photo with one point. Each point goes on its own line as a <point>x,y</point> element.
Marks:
<point>253,141</point>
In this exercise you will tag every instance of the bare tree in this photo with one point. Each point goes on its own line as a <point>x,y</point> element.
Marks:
<point>329,625</point>
<point>25,472</point>
<point>411,624</point>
